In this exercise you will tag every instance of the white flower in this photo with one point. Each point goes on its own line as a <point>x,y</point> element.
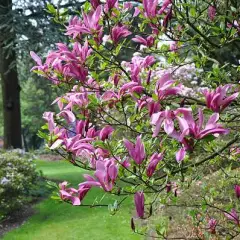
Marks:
<point>194,82</point>
<point>105,39</point>
<point>137,54</point>
<point>4,181</point>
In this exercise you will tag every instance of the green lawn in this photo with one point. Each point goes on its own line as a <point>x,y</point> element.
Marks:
<point>55,220</point>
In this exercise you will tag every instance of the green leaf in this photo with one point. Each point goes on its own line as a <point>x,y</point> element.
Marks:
<point>99,143</point>
<point>192,12</point>
<point>209,138</point>
<point>42,135</point>
<point>51,8</point>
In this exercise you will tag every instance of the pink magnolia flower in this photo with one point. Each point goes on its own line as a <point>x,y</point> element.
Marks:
<point>115,79</point>
<point>234,151</point>
<point>110,4</point>
<point>91,20</point>
<point>100,152</point>
<point>105,132</point>
<point>154,160</point>
<point>36,58</point>
<point>187,127</point>
<point>82,191</point>
<point>211,12</point>
<point>60,132</point>
<point>40,67</point>
<point>139,204</point>
<point>183,126</point>
<point>173,46</point>
<point>78,145</point>
<point>48,116</point>
<point>95,3</point>
<point>80,53</point>
<point>131,87</point>
<point>187,124</point>
<point>167,18</point>
<point>149,41</point>
<point>136,12</point>
<point>197,130</point>
<point>81,127</point>
<point>89,25</point>
<point>92,132</point>
<point>165,5</point>
<point>127,5</point>
<point>237,191</point>
<point>142,102</point>
<point>75,27</point>
<point>77,71</point>
<point>119,32</point>
<point>235,25</point>
<point>106,174</point>
<point>233,216</point>
<point>82,145</point>
<point>180,155</point>
<point>125,163</point>
<point>212,223</point>
<point>137,65</point>
<point>90,181</point>
<point>69,141</point>
<point>111,96</point>
<point>153,107</point>
<point>79,98</point>
<point>69,194</point>
<point>164,118</point>
<point>56,144</point>
<point>150,8</point>
<point>136,151</point>
<point>155,28</point>
<point>165,87</point>
<point>142,62</point>
<point>68,115</point>
<point>59,101</point>
<point>69,63</point>
<point>217,100</point>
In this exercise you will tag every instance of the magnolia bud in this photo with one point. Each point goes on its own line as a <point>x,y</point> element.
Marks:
<point>175,193</point>
<point>182,103</point>
<point>150,211</point>
<point>169,187</point>
<point>132,225</point>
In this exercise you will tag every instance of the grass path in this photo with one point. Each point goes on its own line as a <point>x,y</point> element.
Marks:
<point>55,220</point>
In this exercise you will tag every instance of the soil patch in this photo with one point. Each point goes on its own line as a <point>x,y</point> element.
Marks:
<point>16,219</point>
<point>49,157</point>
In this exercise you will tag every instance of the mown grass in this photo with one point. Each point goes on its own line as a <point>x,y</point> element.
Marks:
<point>61,221</point>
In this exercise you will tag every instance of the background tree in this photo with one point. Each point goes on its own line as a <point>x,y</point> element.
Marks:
<point>33,29</point>
<point>9,78</point>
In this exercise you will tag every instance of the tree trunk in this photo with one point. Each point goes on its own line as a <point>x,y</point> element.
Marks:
<point>9,78</point>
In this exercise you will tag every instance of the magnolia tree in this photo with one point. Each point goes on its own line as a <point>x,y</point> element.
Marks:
<point>151,108</point>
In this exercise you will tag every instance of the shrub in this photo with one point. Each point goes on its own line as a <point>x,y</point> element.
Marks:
<point>17,178</point>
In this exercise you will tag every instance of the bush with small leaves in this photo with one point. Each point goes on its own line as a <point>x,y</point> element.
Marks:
<point>18,176</point>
